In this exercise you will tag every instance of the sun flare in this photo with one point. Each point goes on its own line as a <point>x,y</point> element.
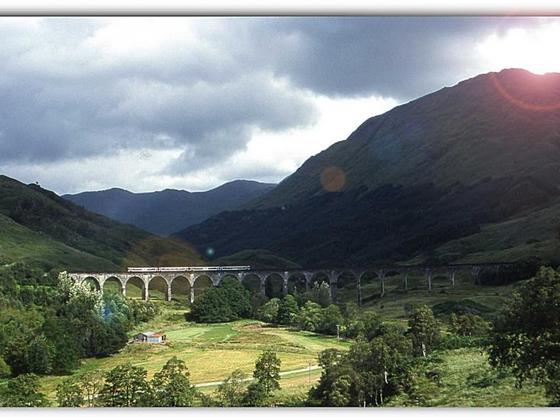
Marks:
<point>535,49</point>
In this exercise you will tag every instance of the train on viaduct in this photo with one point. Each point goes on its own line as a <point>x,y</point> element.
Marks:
<point>143,277</point>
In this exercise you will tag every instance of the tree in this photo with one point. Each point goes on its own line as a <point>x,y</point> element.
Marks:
<point>309,316</point>
<point>339,385</point>
<point>125,386</point>
<point>230,392</point>
<point>287,311</point>
<point>321,294</point>
<point>23,391</point>
<point>211,307</point>
<point>79,293</point>
<point>424,330</point>
<point>331,320</point>
<point>171,386</point>
<point>238,297</point>
<point>69,393</point>
<point>527,333</point>
<point>372,325</point>
<point>369,374</point>
<point>255,396</point>
<point>387,367</point>
<point>269,311</point>
<point>267,371</point>
<point>39,355</point>
<point>92,385</point>
<point>469,325</point>
<point>5,370</point>
<point>366,324</point>
<point>65,350</point>
<point>228,302</point>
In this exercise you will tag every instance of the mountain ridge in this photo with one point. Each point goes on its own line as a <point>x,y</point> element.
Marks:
<point>390,137</point>
<point>481,152</point>
<point>43,229</point>
<point>168,210</point>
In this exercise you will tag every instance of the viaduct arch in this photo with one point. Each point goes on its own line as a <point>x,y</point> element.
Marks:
<point>194,278</point>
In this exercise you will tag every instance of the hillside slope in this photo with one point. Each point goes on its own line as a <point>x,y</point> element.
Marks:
<point>167,211</point>
<point>405,183</point>
<point>40,227</point>
<point>496,125</point>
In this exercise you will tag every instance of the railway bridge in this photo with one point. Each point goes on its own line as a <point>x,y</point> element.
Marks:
<point>143,277</point>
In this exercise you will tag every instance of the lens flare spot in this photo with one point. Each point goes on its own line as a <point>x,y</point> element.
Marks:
<point>333,179</point>
<point>210,252</point>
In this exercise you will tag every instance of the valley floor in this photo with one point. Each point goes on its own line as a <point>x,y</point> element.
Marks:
<point>213,351</point>
<point>453,378</point>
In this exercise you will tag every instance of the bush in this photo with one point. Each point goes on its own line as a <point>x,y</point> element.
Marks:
<point>469,325</point>
<point>453,341</point>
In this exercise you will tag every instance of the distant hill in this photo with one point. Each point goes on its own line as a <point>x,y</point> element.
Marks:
<point>442,178</point>
<point>41,228</point>
<point>167,211</point>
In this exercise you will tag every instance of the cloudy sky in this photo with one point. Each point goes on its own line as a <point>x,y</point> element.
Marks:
<point>190,103</point>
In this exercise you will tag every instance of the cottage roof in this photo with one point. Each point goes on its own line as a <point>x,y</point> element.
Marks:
<point>152,334</point>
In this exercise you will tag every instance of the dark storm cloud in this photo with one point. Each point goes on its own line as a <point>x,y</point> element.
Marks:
<point>401,57</point>
<point>77,88</point>
<point>73,106</point>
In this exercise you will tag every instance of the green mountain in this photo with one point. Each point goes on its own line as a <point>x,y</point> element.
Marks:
<point>167,211</point>
<point>38,227</point>
<point>493,126</point>
<point>468,172</point>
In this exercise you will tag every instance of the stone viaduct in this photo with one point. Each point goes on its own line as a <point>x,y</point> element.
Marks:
<point>308,276</point>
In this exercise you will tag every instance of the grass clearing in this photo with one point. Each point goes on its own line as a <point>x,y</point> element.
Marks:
<point>213,351</point>
<point>457,378</point>
<point>465,379</point>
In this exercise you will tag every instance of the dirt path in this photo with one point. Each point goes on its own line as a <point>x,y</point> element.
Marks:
<point>287,372</point>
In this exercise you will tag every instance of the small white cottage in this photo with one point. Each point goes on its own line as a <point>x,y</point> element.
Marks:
<point>150,337</point>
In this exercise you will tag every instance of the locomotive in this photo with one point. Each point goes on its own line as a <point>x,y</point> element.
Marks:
<point>183,269</point>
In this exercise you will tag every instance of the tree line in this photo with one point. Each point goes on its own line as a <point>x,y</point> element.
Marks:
<point>48,323</point>
<point>384,361</point>
<point>127,386</point>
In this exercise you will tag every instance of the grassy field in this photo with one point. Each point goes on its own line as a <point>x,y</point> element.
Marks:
<point>463,378</point>
<point>393,306</point>
<point>456,378</point>
<point>18,243</point>
<point>213,351</point>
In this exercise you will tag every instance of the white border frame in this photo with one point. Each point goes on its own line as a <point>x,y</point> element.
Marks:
<point>277,8</point>
<point>280,8</point>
